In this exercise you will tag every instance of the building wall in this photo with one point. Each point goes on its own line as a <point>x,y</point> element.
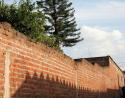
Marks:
<point>36,71</point>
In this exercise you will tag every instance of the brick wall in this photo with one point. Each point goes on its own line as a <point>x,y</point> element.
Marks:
<point>37,71</point>
<point>1,72</point>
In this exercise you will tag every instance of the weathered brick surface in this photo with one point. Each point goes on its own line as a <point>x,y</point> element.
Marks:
<point>1,72</point>
<point>37,71</point>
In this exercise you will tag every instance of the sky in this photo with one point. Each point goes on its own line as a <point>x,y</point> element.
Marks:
<point>102,24</point>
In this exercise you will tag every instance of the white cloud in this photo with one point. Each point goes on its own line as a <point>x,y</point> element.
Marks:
<point>105,42</point>
<point>107,10</point>
<point>98,42</point>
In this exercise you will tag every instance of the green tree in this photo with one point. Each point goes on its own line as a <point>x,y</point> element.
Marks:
<point>26,18</point>
<point>4,11</point>
<point>60,21</point>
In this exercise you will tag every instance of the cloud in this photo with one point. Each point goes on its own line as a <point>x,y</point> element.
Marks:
<point>106,10</point>
<point>98,42</point>
<point>102,41</point>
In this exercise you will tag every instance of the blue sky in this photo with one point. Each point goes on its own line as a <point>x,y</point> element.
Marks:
<point>105,13</point>
<point>102,24</point>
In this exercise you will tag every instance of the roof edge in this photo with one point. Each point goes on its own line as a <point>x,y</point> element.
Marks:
<point>116,64</point>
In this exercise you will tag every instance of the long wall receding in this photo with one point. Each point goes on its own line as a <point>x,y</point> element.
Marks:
<point>32,70</point>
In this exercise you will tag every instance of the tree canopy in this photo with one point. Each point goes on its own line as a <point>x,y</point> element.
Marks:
<point>60,21</point>
<point>51,22</point>
<point>27,19</point>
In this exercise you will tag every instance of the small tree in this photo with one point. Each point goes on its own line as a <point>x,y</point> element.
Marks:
<point>27,19</point>
<point>4,11</point>
<point>60,21</point>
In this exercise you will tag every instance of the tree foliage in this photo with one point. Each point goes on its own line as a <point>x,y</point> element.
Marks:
<point>26,18</point>
<point>60,21</point>
<point>51,22</point>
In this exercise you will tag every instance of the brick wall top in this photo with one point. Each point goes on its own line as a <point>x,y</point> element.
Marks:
<point>7,30</point>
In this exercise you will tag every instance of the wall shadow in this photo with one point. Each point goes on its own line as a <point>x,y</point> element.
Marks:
<point>49,87</point>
